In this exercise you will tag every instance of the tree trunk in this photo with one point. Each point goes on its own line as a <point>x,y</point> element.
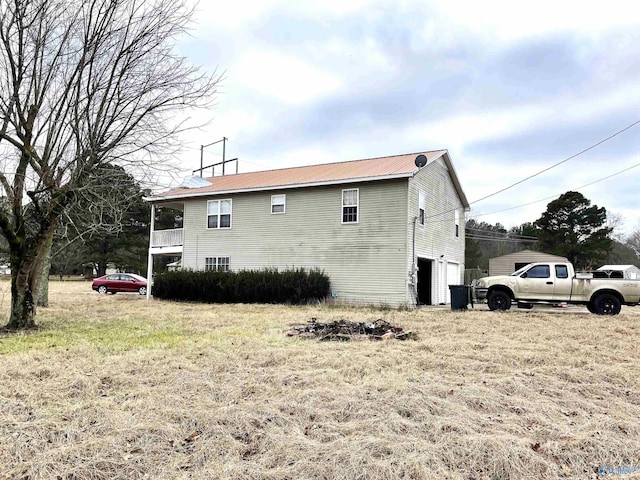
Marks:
<point>26,275</point>
<point>23,305</point>
<point>102,269</point>
<point>43,297</point>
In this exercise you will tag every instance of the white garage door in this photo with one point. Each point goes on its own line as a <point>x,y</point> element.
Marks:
<point>453,277</point>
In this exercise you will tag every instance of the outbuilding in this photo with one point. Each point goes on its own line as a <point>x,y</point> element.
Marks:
<point>507,264</point>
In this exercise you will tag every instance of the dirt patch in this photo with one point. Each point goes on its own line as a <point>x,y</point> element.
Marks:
<point>344,330</point>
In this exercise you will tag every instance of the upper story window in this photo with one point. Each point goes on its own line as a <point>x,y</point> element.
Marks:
<point>350,204</point>
<point>456,215</point>
<point>421,203</point>
<point>219,213</point>
<point>278,203</point>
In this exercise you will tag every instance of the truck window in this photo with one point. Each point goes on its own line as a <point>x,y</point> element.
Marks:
<point>562,271</point>
<point>539,271</point>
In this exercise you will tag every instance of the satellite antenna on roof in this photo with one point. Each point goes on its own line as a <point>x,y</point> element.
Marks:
<point>421,161</point>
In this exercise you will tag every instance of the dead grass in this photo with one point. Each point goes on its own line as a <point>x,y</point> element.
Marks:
<point>117,388</point>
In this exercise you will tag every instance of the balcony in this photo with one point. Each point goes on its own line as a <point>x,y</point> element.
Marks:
<point>167,241</point>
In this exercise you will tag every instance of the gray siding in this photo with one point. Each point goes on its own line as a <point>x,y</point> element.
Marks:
<point>506,264</point>
<point>365,261</point>
<point>436,240</point>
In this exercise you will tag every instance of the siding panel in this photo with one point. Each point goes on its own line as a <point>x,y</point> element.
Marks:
<point>436,240</point>
<point>365,261</point>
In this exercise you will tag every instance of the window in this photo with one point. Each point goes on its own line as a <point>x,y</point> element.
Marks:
<point>278,203</point>
<point>539,271</point>
<point>217,264</point>
<point>350,200</point>
<point>562,271</point>
<point>421,202</point>
<point>456,216</point>
<point>219,214</point>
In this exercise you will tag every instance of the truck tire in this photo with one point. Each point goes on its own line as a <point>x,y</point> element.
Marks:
<point>590,307</point>
<point>499,300</point>
<point>606,304</point>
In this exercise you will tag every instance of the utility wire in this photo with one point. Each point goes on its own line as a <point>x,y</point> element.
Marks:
<point>558,163</point>
<point>555,196</point>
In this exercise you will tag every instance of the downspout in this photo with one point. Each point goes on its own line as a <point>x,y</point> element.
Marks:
<point>150,256</point>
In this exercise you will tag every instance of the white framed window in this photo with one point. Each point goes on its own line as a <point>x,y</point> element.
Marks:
<point>350,205</point>
<point>217,264</point>
<point>421,202</point>
<point>219,213</point>
<point>278,203</point>
<point>456,216</point>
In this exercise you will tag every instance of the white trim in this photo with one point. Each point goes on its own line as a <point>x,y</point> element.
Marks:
<point>284,203</point>
<point>456,223</point>
<point>279,187</point>
<point>357,205</point>
<point>173,249</point>
<point>220,200</point>
<point>216,263</point>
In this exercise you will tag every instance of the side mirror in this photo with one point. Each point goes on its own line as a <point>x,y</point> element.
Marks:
<point>524,275</point>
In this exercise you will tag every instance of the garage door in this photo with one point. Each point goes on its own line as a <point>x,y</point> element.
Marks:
<point>453,277</point>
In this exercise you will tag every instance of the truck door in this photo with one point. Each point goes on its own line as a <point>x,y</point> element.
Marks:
<point>536,283</point>
<point>563,283</point>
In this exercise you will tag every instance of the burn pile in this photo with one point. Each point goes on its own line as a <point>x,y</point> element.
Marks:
<point>343,330</point>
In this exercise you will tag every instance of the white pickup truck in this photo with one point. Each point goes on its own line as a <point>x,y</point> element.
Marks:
<point>556,283</point>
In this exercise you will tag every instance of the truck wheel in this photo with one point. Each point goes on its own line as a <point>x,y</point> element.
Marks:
<point>606,304</point>
<point>499,301</point>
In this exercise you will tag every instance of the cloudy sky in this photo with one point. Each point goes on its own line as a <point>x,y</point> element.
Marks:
<point>509,88</point>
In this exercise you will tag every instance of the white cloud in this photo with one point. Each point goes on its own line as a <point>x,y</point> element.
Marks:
<point>286,78</point>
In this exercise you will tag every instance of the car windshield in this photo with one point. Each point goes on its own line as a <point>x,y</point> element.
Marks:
<point>137,277</point>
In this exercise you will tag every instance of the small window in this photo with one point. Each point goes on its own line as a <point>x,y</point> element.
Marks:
<point>456,216</point>
<point>539,271</point>
<point>350,199</point>
<point>219,214</point>
<point>562,271</point>
<point>217,264</point>
<point>278,203</point>
<point>421,203</point>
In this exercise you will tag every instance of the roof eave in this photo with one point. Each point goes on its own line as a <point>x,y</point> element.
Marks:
<point>279,187</point>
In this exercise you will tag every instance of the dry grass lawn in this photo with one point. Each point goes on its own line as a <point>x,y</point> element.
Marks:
<point>114,387</point>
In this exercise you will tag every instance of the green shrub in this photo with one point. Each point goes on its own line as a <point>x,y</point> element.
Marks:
<point>291,286</point>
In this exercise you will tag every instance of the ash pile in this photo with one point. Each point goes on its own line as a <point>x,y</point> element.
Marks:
<point>343,330</point>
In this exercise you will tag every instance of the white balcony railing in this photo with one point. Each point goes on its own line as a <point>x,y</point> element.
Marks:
<point>167,238</point>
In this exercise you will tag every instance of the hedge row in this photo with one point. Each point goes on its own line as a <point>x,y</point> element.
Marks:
<point>292,286</point>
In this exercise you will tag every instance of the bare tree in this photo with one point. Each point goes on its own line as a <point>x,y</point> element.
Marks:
<point>83,83</point>
<point>633,240</point>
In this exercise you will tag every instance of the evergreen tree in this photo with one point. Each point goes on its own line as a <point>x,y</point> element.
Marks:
<point>573,228</point>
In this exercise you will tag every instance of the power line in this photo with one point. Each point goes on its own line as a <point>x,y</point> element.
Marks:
<point>558,163</point>
<point>512,235</point>
<point>497,239</point>
<point>555,196</point>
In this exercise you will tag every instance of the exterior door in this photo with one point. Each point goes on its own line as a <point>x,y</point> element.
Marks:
<point>563,283</point>
<point>453,277</point>
<point>536,283</point>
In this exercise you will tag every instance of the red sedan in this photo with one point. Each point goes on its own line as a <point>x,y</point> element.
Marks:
<point>120,282</point>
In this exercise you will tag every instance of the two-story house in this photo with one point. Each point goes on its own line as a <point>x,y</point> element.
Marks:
<point>386,230</point>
